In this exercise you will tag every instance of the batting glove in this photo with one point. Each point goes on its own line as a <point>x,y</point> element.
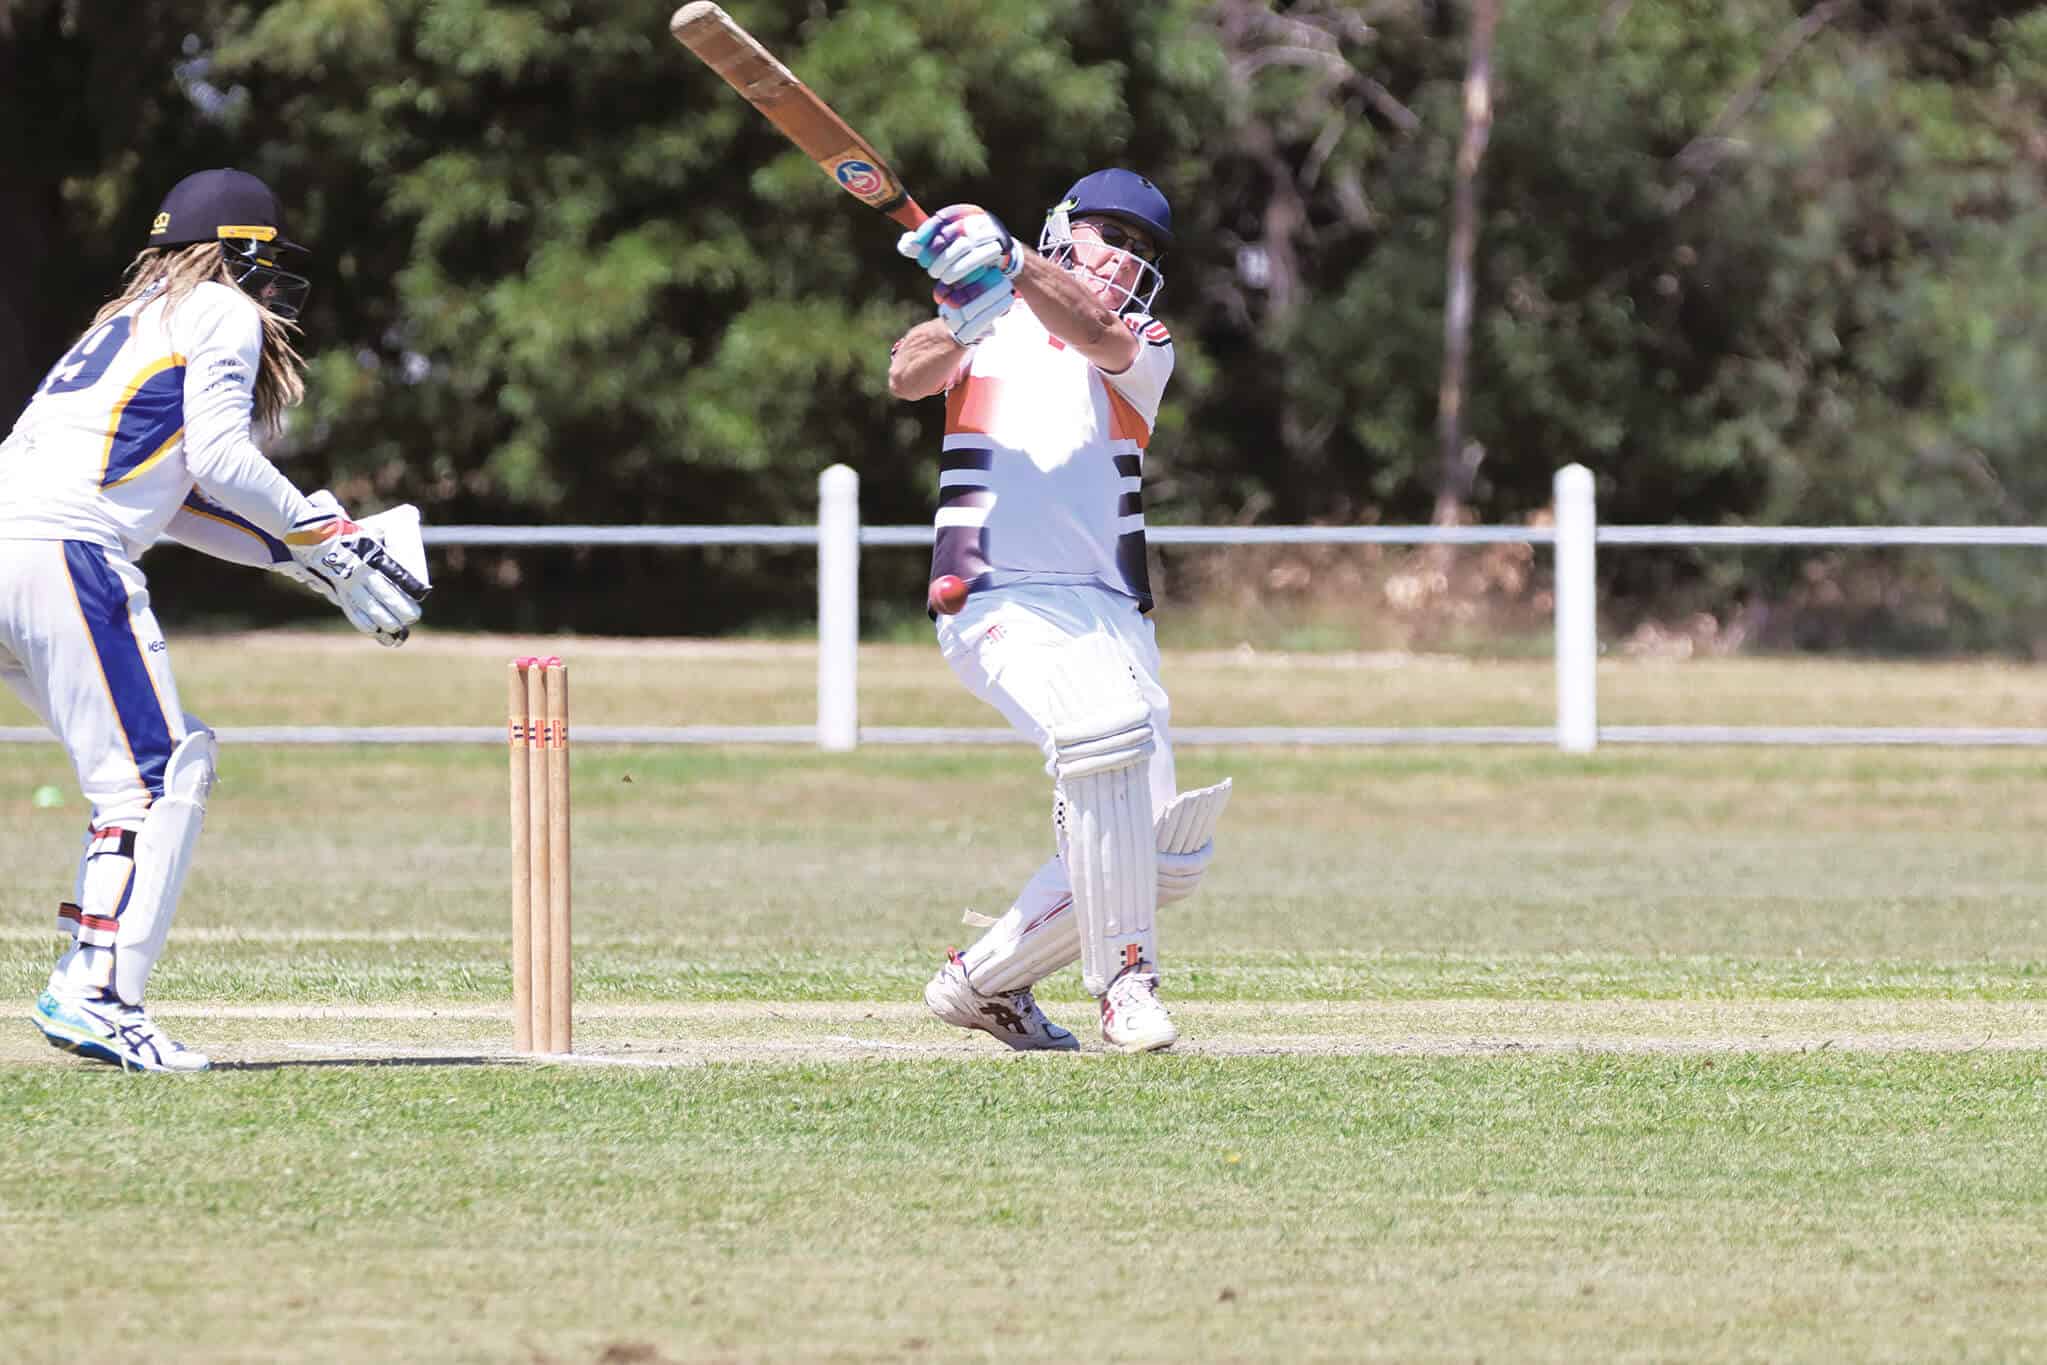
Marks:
<point>349,565</point>
<point>969,309</point>
<point>962,240</point>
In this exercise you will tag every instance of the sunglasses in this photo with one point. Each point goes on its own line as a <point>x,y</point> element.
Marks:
<point>1114,234</point>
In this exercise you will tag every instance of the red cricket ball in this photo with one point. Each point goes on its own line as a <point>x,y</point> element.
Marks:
<point>948,593</point>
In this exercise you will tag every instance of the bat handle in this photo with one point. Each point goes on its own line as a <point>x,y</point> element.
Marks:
<point>908,214</point>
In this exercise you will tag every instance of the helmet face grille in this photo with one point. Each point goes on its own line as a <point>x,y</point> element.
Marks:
<point>1056,244</point>
<point>254,266</point>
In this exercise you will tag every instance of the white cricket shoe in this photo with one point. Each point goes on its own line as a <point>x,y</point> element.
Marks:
<point>106,1030</point>
<point>1133,1020</point>
<point>1013,1017</point>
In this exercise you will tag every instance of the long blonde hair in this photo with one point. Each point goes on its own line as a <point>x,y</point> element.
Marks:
<point>177,271</point>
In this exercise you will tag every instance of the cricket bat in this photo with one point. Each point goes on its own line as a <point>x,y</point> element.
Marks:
<point>793,107</point>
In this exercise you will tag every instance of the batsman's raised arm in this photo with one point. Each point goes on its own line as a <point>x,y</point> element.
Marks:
<point>1090,284</point>
<point>929,356</point>
<point>1075,314</point>
<point>925,361</point>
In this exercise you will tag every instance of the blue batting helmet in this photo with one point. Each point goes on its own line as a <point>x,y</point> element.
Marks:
<point>1123,195</point>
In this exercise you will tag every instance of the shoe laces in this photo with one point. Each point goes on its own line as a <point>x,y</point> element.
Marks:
<point>1023,1002</point>
<point>1135,978</point>
<point>129,1016</point>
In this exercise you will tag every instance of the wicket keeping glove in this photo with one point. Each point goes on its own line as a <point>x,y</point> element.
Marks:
<point>348,564</point>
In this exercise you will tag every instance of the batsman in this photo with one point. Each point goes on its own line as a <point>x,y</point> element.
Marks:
<point>1049,408</point>
<point>147,427</point>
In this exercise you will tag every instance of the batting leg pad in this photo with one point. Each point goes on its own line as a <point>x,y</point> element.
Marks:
<point>1185,830</point>
<point>106,889</point>
<point>1041,933</point>
<point>84,967</point>
<point>1033,940</point>
<point>106,886</point>
<point>1100,756</point>
<point>68,912</point>
<point>163,852</point>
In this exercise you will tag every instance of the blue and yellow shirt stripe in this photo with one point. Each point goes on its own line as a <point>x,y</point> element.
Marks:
<point>146,422</point>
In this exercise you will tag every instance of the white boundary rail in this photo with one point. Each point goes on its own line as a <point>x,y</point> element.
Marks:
<point>839,537</point>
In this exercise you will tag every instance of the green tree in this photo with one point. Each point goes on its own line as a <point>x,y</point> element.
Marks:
<point>1749,259</point>
<point>1884,244</point>
<point>97,119</point>
<point>568,275</point>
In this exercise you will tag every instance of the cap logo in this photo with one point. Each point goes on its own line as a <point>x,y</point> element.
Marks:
<point>261,234</point>
<point>161,225</point>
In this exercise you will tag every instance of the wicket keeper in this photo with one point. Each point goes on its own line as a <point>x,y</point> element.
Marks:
<point>145,428</point>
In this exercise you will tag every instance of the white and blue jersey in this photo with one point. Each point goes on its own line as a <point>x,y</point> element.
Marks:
<point>140,431</point>
<point>147,407</point>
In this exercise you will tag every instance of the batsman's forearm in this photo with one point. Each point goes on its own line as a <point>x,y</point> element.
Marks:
<point>1071,312</point>
<point>925,361</point>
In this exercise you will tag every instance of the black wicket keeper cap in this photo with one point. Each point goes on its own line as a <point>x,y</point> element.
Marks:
<point>212,206</point>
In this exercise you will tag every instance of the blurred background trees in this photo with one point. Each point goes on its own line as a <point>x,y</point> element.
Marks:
<point>1750,260</point>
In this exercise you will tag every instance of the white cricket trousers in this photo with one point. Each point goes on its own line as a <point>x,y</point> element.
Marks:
<point>80,645</point>
<point>983,644</point>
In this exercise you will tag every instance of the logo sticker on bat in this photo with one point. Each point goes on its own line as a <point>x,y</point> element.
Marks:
<point>863,180</point>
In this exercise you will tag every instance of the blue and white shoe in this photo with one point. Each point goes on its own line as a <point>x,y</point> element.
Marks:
<point>106,1030</point>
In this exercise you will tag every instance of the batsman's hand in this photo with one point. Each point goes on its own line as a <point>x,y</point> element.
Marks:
<point>969,309</point>
<point>962,240</point>
<point>348,564</point>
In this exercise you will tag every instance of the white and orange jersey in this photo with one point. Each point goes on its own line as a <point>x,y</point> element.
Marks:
<point>141,410</point>
<point>1044,460</point>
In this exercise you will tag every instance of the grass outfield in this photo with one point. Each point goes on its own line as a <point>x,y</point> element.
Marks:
<point>289,678</point>
<point>1657,1054</point>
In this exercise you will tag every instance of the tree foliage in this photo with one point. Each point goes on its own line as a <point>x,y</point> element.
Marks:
<point>1751,260</point>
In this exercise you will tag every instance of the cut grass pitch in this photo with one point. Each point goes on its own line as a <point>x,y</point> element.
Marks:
<point>1552,1208</point>
<point>1656,1054</point>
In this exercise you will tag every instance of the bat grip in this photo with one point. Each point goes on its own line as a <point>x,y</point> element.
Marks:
<point>908,214</point>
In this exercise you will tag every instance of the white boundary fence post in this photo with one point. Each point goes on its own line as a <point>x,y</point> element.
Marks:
<point>1577,614</point>
<point>838,609</point>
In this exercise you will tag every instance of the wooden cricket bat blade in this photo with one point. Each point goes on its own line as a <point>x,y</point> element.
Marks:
<point>739,59</point>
